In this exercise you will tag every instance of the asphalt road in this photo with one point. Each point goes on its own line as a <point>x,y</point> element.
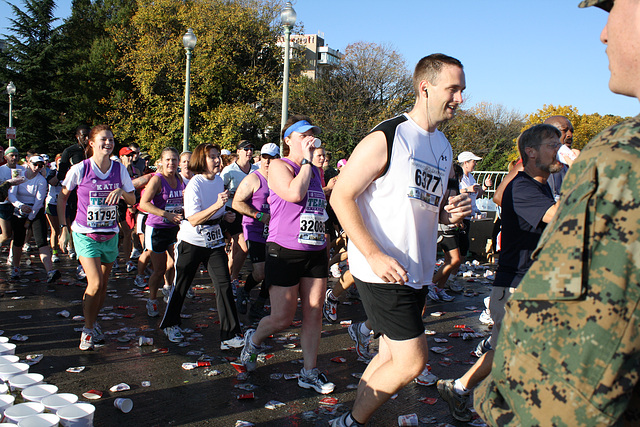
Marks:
<point>209,395</point>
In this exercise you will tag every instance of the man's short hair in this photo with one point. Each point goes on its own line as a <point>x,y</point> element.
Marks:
<point>134,145</point>
<point>429,67</point>
<point>81,128</point>
<point>533,137</point>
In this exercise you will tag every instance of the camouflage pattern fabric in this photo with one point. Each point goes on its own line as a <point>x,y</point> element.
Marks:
<point>569,349</point>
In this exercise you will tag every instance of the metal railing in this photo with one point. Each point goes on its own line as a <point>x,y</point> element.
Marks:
<point>496,178</point>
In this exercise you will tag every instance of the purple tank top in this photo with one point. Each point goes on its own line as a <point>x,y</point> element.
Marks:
<point>169,199</point>
<point>299,226</point>
<point>93,212</point>
<point>253,229</point>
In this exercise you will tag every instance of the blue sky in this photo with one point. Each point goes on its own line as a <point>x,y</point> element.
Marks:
<point>521,54</point>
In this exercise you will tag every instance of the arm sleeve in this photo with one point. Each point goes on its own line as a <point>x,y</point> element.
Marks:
<point>530,201</point>
<point>13,197</point>
<point>41,194</point>
<point>192,199</point>
<point>72,178</point>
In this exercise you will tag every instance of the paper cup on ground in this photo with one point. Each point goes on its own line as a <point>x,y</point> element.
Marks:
<point>7,348</point>
<point>124,404</point>
<point>55,402</point>
<point>13,369</point>
<point>77,415</point>
<point>6,401</point>
<point>18,412</point>
<point>40,420</point>
<point>20,382</point>
<point>36,393</point>
<point>8,358</point>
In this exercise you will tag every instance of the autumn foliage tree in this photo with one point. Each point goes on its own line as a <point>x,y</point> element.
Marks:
<point>235,65</point>
<point>585,126</point>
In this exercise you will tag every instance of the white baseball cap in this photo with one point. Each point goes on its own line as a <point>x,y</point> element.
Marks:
<point>270,149</point>
<point>465,156</point>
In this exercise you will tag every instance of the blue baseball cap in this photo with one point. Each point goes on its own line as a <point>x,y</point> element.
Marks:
<point>301,127</point>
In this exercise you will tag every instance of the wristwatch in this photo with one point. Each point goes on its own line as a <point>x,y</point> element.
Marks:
<point>305,162</point>
<point>259,216</point>
<point>63,226</point>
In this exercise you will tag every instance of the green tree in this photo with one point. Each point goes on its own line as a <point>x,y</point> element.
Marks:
<point>32,61</point>
<point>235,68</point>
<point>90,60</point>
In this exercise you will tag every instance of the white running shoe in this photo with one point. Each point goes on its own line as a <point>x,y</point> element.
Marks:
<point>86,339</point>
<point>152,308</point>
<point>80,274</point>
<point>362,342</point>
<point>330,307</point>
<point>444,296</point>
<point>485,318</point>
<point>335,270</point>
<point>135,254</point>
<point>433,293</point>
<point>139,281</point>
<point>174,333</point>
<point>316,380</point>
<point>131,266</point>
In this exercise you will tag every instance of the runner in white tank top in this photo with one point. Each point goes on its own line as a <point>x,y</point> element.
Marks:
<point>389,199</point>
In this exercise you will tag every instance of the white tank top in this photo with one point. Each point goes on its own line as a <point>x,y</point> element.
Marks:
<point>401,208</point>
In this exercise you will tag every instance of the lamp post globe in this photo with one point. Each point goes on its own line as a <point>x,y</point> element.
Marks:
<point>288,19</point>
<point>11,90</point>
<point>189,41</point>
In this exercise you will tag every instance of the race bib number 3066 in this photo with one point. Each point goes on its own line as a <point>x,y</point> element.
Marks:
<point>427,184</point>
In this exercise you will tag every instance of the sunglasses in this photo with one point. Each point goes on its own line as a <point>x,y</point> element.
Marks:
<point>248,148</point>
<point>38,165</point>
<point>130,155</point>
<point>269,157</point>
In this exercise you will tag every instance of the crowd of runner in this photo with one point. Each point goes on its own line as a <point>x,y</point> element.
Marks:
<point>398,196</point>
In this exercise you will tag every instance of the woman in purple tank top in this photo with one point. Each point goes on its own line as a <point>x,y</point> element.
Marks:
<point>162,200</point>
<point>296,262</point>
<point>100,183</point>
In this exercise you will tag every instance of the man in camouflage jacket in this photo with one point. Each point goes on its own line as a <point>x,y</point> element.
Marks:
<point>569,349</point>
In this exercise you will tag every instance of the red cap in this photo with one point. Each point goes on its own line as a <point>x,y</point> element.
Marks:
<point>125,150</point>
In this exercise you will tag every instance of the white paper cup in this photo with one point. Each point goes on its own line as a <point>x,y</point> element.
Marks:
<point>40,420</point>
<point>55,402</point>
<point>36,393</point>
<point>9,358</point>
<point>6,401</point>
<point>20,382</point>
<point>4,340</point>
<point>18,412</point>
<point>124,404</point>
<point>145,341</point>
<point>13,369</point>
<point>77,415</point>
<point>7,348</point>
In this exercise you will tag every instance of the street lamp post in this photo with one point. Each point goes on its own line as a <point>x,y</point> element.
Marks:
<point>288,19</point>
<point>11,90</point>
<point>189,41</point>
